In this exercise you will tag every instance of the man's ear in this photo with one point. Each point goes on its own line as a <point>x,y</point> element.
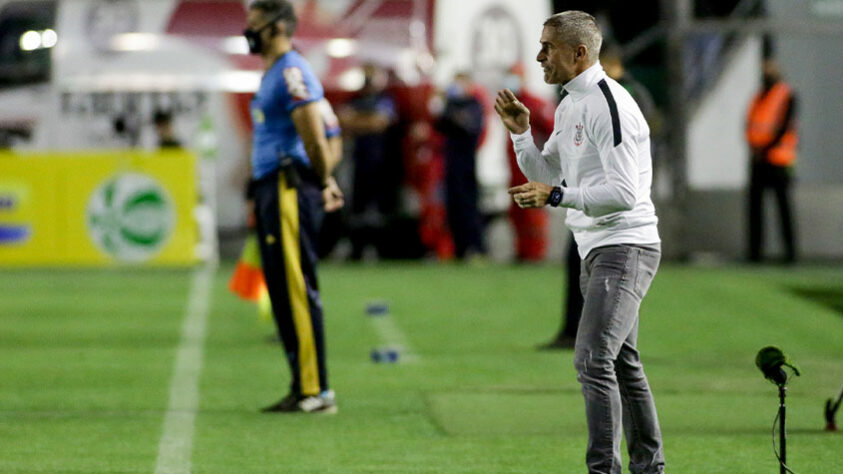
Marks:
<point>581,52</point>
<point>283,28</point>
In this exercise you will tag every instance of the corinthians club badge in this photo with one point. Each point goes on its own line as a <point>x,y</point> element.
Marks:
<point>578,137</point>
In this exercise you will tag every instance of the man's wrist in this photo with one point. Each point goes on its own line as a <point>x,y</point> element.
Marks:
<point>525,134</point>
<point>555,197</point>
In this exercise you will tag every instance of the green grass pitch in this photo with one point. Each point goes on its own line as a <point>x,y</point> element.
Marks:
<point>86,359</point>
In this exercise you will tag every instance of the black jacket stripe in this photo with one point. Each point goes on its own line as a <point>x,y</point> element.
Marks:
<point>564,94</point>
<point>613,109</point>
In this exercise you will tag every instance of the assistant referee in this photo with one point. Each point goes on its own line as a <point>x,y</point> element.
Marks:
<point>292,188</point>
<point>597,164</point>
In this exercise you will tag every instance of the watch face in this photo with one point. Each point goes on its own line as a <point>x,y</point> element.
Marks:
<point>555,197</point>
<point>107,18</point>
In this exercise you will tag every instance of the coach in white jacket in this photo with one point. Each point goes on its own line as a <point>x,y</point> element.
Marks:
<point>597,165</point>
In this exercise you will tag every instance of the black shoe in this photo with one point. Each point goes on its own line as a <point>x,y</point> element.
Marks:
<point>558,343</point>
<point>290,403</point>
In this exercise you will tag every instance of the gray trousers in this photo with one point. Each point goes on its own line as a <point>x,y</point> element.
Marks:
<point>614,280</point>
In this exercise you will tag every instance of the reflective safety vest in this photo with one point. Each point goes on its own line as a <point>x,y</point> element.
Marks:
<point>764,119</point>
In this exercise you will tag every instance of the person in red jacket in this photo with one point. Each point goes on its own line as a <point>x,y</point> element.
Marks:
<point>530,225</point>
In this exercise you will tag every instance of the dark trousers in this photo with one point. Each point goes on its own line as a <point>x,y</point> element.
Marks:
<point>288,211</point>
<point>374,196</point>
<point>762,177</point>
<point>573,295</point>
<point>461,196</point>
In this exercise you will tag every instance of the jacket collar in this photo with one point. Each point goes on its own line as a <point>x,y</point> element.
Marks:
<point>579,86</point>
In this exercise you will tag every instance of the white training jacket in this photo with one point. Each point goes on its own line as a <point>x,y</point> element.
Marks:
<point>600,154</point>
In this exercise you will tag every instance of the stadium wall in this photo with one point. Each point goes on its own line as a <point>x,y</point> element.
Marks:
<point>716,214</point>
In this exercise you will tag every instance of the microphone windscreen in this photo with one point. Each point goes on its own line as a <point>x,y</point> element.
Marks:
<point>768,358</point>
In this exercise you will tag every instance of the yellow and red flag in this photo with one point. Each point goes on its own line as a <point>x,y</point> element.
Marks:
<point>247,281</point>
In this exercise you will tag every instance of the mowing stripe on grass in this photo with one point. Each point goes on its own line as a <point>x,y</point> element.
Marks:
<point>392,337</point>
<point>176,445</point>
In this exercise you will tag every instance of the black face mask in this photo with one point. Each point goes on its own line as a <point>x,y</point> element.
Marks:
<point>253,37</point>
<point>254,40</point>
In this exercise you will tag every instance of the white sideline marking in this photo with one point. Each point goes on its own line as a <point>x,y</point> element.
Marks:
<point>176,445</point>
<point>392,336</point>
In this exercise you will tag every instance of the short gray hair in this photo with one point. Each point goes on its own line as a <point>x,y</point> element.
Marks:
<point>574,28</point>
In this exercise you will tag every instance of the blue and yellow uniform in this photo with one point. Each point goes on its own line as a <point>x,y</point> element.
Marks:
<point>289,212</point>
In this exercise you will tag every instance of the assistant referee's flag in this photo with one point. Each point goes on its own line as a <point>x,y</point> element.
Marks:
<point>247,281</point>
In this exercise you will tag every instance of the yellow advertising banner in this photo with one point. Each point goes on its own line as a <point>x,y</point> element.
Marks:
<point>98,208</point>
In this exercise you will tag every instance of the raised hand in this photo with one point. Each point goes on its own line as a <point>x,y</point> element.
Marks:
<point>514,115</point>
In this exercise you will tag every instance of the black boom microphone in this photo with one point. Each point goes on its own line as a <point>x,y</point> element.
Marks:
<point>770,360</point>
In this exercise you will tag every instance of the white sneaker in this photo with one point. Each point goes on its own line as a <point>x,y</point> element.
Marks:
<point>325,402</point>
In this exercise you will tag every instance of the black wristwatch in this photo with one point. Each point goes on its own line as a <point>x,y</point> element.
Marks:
<point>555,197</point>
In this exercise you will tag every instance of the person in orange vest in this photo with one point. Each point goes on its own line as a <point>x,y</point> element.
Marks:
<point>530,225</point>
<point>771,134</point>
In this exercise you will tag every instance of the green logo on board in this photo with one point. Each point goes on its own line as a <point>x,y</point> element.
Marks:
<point>130,217</point>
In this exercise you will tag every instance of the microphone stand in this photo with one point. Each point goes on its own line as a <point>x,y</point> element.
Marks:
<point>771,360</point>
<point>782,436</point>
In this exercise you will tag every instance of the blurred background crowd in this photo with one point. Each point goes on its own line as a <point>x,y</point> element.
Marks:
<point>426,163</point>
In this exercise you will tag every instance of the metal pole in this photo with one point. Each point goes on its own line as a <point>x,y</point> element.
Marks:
<point>678,16</point>
<point>782,437</point>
